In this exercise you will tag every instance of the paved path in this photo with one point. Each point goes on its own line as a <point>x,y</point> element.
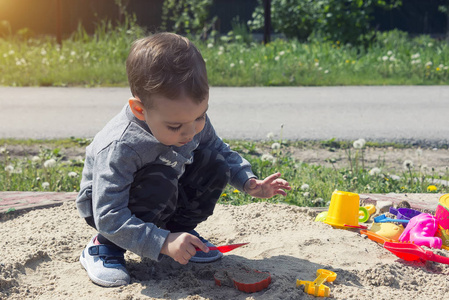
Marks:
<point>392,113</point>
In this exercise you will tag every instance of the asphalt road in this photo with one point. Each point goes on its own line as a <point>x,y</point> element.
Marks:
<point>414,114</point>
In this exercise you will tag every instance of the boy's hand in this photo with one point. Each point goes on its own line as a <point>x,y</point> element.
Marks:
<point>181,246</point>
<point>267,188</point>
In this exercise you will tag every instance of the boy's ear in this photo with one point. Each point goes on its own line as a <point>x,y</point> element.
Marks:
<point>137,108</point>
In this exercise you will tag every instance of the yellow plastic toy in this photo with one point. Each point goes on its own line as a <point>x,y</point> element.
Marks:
<point>388,230</point>
<point>317,288</point>
<point>344,211</point>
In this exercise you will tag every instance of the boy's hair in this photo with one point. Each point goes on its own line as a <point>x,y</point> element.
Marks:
<point>166,64</point>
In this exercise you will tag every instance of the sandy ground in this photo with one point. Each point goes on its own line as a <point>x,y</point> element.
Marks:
<point>40,259</point>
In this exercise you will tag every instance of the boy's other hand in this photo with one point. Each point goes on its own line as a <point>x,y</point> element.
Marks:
<point>267,188</point>
<point>181,246</point>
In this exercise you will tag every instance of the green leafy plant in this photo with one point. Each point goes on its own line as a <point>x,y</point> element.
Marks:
<point>189,17</point>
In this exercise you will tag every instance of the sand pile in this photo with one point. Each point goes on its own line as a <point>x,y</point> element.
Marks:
<point>40,251</point>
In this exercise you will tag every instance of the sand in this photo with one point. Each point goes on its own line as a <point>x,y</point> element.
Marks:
<point>40,251</point>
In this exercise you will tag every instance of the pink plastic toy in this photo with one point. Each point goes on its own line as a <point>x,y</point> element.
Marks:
<point>421,230</point>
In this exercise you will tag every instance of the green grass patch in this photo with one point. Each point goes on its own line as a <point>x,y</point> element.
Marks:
<point>99,60</point>
<point>50,169</point>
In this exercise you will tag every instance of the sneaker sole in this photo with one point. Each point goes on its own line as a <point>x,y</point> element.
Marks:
<point>98,280</point>
<point>205,259</point>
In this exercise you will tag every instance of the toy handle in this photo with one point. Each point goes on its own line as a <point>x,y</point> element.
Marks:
<point>394,211</point>
<point>439,258</point>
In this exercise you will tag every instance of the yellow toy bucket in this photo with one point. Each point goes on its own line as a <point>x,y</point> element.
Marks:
<point>442,216</point>
<point>343,210</point>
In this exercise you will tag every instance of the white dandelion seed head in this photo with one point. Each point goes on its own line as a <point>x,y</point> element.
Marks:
<point>306,194</point>
<point>72,174</point>
<point>275,146</point>
<point>305,187</point>
<point>270,135</point>
<point>385,58</point>
<point>419,151</point>
<point>408,164</point>
<point>395,177</point>
<point>232,65</point>
<point>374,171</point>
<point>45,185</point>
<point>50,163</point>
<point>429,63</point>
<point>359,144</point>
<point>2,150</point>
<point>389,53</point>
<point>267,157</point>
<point>277,58</point>
<point>9,168</point>
<point>281,53</point>
<point>210,45</point>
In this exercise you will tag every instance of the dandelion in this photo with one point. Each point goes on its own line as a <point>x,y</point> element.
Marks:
<point>236,191</point>
<point>424,168</point>
<point>220,53</point>
<point>268,157</point>
<point>359,144</point>
<point>241,62</point>
<point>11,52</point>
<point>395,177</point>
<point>429,63</point>
<point>270,135</point>
<point>50,163</point>
<point>35,159</point>
<point>432,188</point>
<point>9,168</point>
<point>306,194</point>
<point>326,71</point>
<point>429,44</point>
<point>389,53</point>
<point>43,52</point>
<point>408,164</point>
<point>277,58</point>
<point>305,187</point>
<point>415,56</point>
<point>45,185</point>
<point>232,65</point>
<point>437,69</point>
<point>72,53</point>
<point>72,174</point>
<point>392,58</point>
<point>317,64</point>
<point>210,45</point>
<point>374,172</point>
<point>256,65</point>
<point>221,48</point>
<point>2,150</point>
<point>281,53</point>
<point>275,146</point>
<point>385,58</point>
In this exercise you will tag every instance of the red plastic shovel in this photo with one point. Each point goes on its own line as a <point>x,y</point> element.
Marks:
<point>410,252</point>
<point>225,248</point>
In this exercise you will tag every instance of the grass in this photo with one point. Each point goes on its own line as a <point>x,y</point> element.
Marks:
<point>51,170</point>
<point>99,60</point>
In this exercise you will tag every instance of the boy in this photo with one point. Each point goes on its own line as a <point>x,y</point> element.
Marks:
<point>157,169</point>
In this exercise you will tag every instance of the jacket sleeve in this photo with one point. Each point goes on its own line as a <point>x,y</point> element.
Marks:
<point>114,172</point>
<point>240,168</point>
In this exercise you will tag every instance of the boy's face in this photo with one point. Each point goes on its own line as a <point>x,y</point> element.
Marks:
<point>175,122</point>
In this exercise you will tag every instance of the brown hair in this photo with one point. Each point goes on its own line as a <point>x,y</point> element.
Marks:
<point>166,64</point>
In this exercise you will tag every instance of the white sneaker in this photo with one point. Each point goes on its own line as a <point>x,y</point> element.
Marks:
<point>105,264</point>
